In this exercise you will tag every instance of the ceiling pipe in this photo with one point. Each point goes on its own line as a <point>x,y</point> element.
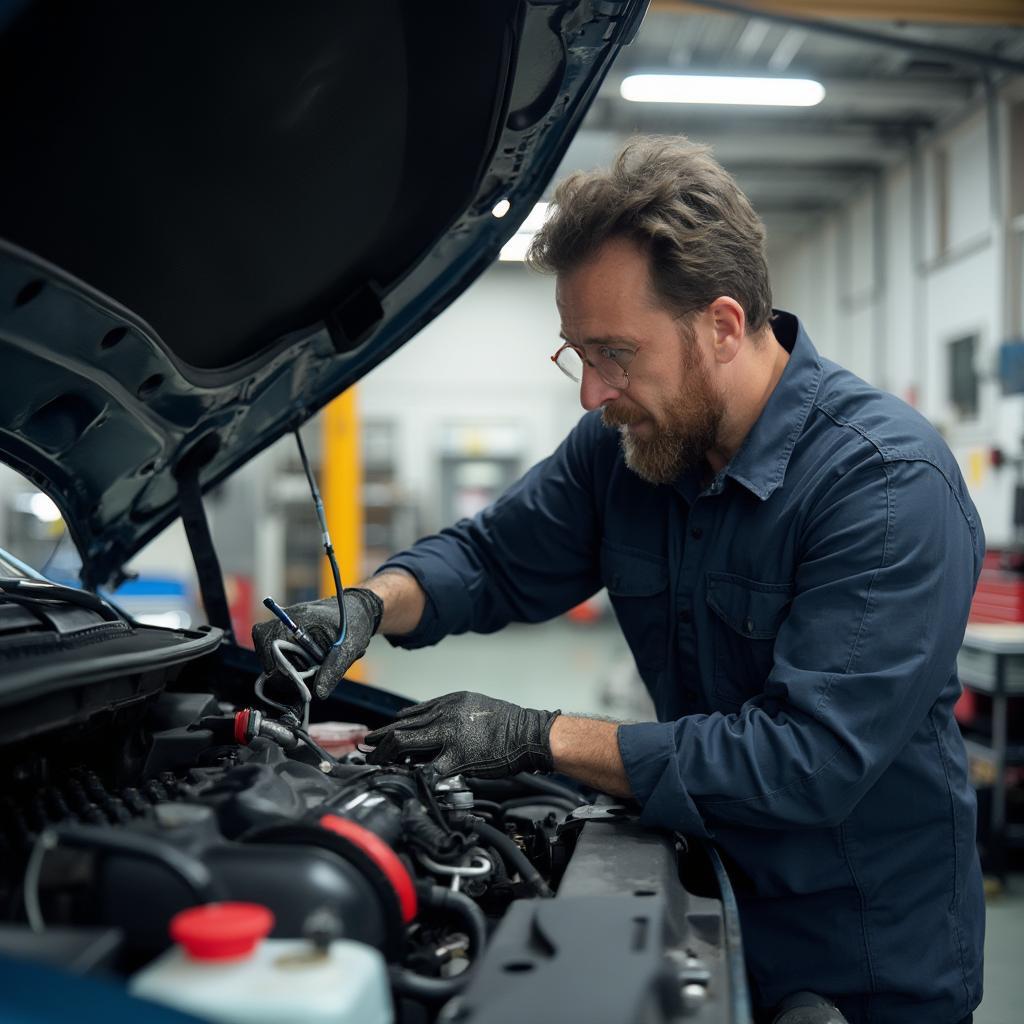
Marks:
<point>957,53</point>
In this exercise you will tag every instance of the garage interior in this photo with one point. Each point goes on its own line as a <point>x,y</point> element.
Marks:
<point>895,217</point>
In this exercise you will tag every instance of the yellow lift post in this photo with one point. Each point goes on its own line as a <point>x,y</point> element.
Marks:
<point>341,485</point>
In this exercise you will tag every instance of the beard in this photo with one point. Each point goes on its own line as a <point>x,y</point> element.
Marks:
<point>683,433</point>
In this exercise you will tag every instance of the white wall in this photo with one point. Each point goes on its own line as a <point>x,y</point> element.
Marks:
<point>892,323</point>
<point>886,308</point>
<point>484,361</point>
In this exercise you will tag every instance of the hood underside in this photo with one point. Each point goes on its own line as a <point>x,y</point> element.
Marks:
<point>213,220</point>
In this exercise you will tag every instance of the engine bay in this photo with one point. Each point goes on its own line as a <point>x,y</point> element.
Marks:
<point>136,796</point>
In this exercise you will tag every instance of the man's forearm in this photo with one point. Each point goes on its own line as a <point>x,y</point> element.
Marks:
<point>404,600</point>
<point>587,749</point>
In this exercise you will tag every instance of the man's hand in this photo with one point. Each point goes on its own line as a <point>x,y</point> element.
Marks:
<point>468,733</point>
<point>363,611</point>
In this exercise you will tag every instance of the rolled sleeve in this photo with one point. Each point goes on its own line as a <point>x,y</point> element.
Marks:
<point>526,558</point>
<point>428,569</point>
<point>649,756</point>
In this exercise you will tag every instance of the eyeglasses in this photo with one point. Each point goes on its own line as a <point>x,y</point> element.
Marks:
<point>609,363</point>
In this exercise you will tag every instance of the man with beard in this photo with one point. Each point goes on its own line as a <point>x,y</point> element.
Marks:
<point>791,555</point>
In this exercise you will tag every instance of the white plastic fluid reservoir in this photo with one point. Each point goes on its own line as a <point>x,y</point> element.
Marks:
<point>338,738</point>
<point>224,968</point>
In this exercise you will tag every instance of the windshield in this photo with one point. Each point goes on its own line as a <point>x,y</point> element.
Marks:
<point>13,569</point>
<point>35,544</point>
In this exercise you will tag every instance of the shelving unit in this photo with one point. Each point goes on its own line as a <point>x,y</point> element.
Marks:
<point>389,518</point>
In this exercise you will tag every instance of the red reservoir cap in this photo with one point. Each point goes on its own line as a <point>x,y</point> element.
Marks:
<point>221,931</point>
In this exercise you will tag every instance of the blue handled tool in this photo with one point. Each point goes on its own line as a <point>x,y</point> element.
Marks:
<point>302,638</point>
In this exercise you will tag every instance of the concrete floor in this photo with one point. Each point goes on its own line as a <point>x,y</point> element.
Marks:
<point>1004,957</point>
<point>587,669</point>
<point>556,664</point>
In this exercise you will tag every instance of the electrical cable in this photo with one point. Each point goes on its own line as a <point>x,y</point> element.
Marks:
<point>279,649</point>
<point>315,747</point>
<point>510,853</point>
<point>258,689</point>
<point>188,869</point>
<point>41,594</point>
<point>318,506</point>
<point>56,547</point>
<point>33,912</point>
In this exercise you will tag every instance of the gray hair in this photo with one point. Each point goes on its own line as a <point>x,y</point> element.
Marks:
<point>671,197</point>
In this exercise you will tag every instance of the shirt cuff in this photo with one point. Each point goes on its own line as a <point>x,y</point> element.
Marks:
<point>430,629</point>
<point>649,756</point>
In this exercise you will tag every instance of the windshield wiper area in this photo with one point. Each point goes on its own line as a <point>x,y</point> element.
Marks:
<point>40,591</point>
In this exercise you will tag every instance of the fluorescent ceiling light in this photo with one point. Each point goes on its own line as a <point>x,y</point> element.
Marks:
<point>759,92</point>
<point>515,248</point>
<point>37,504</point>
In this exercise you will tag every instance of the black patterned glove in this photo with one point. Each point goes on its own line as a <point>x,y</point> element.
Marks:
<point>468,733</point>
<point>363,611</point>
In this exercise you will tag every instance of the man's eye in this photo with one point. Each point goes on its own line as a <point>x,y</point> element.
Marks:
<point>616,355</point>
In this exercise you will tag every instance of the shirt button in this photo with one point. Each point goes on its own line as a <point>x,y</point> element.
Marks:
<point>696,533</point>
<point>685,615</point>
<point>749,625</point>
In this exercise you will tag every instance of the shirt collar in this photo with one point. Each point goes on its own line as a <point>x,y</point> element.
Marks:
<point>760,464</point>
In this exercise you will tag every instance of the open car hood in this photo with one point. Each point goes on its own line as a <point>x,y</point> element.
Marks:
<point>213,223</point>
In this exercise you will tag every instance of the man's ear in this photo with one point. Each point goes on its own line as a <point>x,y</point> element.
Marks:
<point>730,326</point>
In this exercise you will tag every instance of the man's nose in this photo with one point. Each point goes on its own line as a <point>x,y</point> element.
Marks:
<point>595,392</point>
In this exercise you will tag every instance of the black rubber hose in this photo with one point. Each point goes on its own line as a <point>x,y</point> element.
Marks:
<point>314,746</point>
<point>428,990</point>
<point>280,734</point>
<point>420,830</point>
<point>540,800</point>
<point>400,785</point>
<point>513,857</point>
<point>190,870</point>
<point>418,986</point>
<point>540,784</point>
<point>490,806</point>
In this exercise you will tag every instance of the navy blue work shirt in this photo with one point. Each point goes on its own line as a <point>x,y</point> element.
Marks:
<point>797,622</point>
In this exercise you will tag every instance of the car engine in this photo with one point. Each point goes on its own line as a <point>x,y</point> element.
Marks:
<point>131,799</point>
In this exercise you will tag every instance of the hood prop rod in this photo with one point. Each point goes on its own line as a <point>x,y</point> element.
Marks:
<point>197,529</point>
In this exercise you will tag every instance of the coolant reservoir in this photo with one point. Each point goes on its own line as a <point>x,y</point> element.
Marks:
<point>224,968</point>
<point>338,738</point>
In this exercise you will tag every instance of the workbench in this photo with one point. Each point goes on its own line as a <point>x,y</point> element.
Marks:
<point>991,661</point>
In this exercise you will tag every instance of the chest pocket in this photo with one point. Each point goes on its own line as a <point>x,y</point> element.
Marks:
<point>746,618</point>
<point>637,582</point>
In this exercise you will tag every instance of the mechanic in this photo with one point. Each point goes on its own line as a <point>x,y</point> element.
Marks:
<point>791,555</point>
